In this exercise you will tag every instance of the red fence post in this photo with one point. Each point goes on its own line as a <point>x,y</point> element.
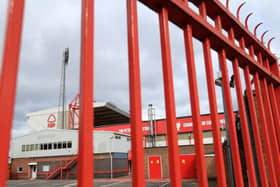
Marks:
<point>243,117</point>
<point>173,152</point>
<point>269,116</point>
<point>254,121</point>
<point>219,158</point>
<point>85,155</point>
<point>244,126</point>
<point>273,100</point>
<point>138,173</point>
<point>267,141</point>
<point>8,80</point>
<point>231,122</point>
<point>199,146</point>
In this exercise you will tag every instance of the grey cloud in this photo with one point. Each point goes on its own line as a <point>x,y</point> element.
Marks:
<point>51,25</point>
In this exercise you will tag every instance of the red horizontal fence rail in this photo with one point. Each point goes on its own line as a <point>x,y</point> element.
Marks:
<point>266,79</point>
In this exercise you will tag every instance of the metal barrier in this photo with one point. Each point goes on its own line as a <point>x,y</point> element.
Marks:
<point>266,79</point>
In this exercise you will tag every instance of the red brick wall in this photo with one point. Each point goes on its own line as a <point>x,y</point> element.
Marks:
<point>23,162</point>
<point>183,150</point>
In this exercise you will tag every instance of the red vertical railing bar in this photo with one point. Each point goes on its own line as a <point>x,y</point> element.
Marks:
<point>173,152</point>
<point>275,110</point>
<point>268,113</point>
<point>243,117</point>
<point>275,69</point>
<point>231,122</point>
<point>85,155</point>
<point>198,137</point>
<point>273,100</point>
<point>8,81</point>
<point>262,108</point>
<point>270,122</point>
<point>138,174</point>
<point>263,122</point>
<point>219,158</point>
<point>254,121</point>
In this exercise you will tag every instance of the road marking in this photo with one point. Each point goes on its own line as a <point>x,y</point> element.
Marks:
<point>164,184</point>
<point>23,183</point>
<point>111,184</point>
<point>69,185</point>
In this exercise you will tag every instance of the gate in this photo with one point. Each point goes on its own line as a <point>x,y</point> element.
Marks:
<point>250,54</point>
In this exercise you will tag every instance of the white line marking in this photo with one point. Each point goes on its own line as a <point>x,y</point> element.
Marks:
<point>163,184</point>
<point>23,183</point>
<point>111,184</point>
<point>69,185</point>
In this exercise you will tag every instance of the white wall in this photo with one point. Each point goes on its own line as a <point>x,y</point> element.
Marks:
<point>104,142</point>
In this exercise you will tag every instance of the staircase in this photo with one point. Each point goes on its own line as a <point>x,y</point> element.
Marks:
<point>58,170</point>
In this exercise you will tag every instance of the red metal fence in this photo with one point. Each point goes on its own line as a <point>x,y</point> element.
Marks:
<point>258,62</point>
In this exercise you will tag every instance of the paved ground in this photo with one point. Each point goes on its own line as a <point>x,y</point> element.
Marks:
<point>115,183</point>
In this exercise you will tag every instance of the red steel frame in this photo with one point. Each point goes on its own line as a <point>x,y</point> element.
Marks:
<point>213,104</point>
<point>229,109</point>
<point>243,118</point>
<point>266,76</point>
<point>135,95</point>
<point>199,149</point>
<point>8,80</point>
<point>173,151</point>
<point>85,155</point>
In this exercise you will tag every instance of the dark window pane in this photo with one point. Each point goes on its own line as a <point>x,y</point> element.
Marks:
<point>69,144</point>
<point>23,148</point>
<point>59,145</point>
<point>49,146</point>
<point>64,145</point>
<point>45,146</point>
<point>54,145</point>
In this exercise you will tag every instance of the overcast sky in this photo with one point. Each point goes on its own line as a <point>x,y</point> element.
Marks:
<point>50,26</point>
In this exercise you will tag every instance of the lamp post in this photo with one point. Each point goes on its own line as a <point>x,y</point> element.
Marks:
<point>219,82</point>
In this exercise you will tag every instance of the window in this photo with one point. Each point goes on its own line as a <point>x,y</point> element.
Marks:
<point>46,168</point>
<point>117,137</point>
<point>41,146</point>
<point>32,147</point>
<point>23,148</point>
<point>55,145</point>
<point>45,146</point>
<point>50,146</point>
<point>69,144</point>
<point>27,147</point>
<point>19,169</point>
<point>59,145</point>
<point>64,145</point>
<point>36,147</point>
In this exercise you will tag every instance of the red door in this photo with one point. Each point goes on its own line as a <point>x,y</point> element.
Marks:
<point>155,167</point>
<point>187,163</point>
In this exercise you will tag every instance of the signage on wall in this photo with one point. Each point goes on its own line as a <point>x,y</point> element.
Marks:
<point>51,121</point>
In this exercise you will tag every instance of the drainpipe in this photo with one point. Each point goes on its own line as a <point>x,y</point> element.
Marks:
<point>111,165</point>
<point>111,158</point>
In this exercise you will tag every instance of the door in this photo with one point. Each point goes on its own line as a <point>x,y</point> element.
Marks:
<point>187,163</point>
<point>34,172</point>
<point>155,167</point>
